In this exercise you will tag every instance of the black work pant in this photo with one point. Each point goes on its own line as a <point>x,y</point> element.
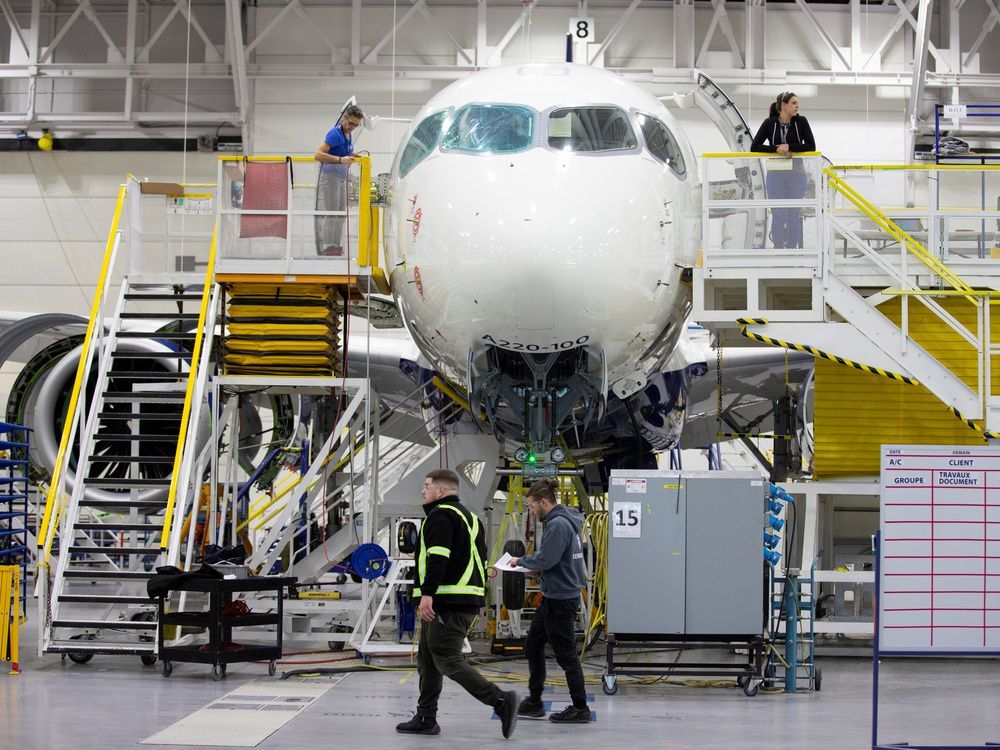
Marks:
<point>440,655</point>
<point>553,624</point>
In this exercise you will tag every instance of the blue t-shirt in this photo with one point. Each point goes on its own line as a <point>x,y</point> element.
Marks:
<point>340,145</point>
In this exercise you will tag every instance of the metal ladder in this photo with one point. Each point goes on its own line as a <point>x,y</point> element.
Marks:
<point>98,601</point>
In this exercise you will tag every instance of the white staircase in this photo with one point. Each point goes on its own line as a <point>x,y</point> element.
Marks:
<point>101,533</point>
<point>823,295</point>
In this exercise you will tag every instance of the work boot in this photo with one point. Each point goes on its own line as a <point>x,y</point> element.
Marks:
<point>419,725</point>
<point>507,711</point>
<point>571,715</point>
<point>532,708</point>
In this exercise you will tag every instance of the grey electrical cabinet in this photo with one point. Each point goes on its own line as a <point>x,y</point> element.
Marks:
<point>685,553</point>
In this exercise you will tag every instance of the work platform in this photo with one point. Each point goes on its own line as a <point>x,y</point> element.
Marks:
<point>889,270</point>
<point>229,293</point>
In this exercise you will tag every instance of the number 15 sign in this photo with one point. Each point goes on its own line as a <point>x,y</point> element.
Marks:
<point>626,520</point>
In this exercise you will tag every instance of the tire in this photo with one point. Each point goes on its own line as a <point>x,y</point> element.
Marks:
<point>609,684</point>
<point>817,679</point>
<point>148,660</point>
<point>167,669</point>
<point>741,681</point>
<point>751,688</point>
<point>218,672</point>
<point>80,657</point>
<point>512,594</point>
<point>272,667</point>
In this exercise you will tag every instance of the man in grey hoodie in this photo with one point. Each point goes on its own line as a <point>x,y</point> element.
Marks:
<point>559,563</point>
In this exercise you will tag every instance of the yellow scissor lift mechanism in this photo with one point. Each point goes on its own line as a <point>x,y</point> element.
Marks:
<point>291,323</point>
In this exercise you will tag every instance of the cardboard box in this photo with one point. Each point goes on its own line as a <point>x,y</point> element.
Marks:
<point>161,188</point>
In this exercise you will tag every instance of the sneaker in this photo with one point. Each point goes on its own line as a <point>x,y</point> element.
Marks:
<point>419,725</point>
<point>507,711</point>
<point>332,250</point>
<point>571,715</point>
<point>532,708</point>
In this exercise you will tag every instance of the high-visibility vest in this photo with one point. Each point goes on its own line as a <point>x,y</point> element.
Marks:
<point>464,584</point>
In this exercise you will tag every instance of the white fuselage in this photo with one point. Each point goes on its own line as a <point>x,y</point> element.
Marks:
<point>544,250</point>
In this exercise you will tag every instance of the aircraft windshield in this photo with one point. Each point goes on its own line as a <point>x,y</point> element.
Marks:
<point>490,129</point>
<point>422,142</point>
<point>661,144</point>
<point>591,129</point>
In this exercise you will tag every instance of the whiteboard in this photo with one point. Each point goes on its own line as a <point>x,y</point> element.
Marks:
<point>939,574</point>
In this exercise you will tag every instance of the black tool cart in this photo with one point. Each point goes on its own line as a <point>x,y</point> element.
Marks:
<point>220,626</point>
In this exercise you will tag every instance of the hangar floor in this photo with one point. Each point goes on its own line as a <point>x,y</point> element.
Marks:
<point>115,702</point>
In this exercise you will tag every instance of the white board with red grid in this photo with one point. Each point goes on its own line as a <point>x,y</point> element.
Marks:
<point>940,555</point>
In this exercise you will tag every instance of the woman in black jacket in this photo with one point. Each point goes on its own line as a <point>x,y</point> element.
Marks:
<point>785,132</point>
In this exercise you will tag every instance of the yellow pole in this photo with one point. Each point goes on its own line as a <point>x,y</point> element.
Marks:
<point>189,393</point>
<point>364,212</point>
<point>5,611</point>
<point>15,621</point>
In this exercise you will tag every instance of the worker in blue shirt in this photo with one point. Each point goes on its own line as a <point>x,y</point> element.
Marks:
<point>336,154</point>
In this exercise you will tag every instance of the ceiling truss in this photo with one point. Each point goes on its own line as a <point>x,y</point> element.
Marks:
<point>227,52</point>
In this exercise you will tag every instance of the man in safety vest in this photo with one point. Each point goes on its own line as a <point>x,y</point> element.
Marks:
<point>450,589</point>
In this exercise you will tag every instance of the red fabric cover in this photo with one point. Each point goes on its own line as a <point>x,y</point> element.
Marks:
<point>265,187</point>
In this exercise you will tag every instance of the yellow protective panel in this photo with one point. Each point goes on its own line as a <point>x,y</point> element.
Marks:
<point>312,312</point>
<point>277,330</point>
<point>281,291</point>
<point>856,412</point>
<point>272,359</point>
<point>234,345</point>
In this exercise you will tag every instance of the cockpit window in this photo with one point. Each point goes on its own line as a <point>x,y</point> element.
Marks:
<point>490,129</point>
<point>422,142</point>
<point>661,144</point>
<point>591,129</point>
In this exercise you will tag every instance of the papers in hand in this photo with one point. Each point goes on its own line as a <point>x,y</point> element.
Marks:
<point>503,563</point>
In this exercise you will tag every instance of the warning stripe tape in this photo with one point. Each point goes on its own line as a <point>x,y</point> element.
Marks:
<point>752,435</point>
<point>973,424</point>
<point>825,355</point>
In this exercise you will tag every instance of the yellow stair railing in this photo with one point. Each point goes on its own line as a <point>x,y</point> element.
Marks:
<point>193,369</point>
<point>46,530</point>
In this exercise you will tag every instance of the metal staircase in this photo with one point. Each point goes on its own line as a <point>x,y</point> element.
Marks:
<point>824,294</point>
<point>115,471</point>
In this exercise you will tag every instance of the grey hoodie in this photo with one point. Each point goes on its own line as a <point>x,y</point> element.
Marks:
<point>559,558</point>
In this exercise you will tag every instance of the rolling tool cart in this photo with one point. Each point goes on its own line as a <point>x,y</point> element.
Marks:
<point>219,619</point>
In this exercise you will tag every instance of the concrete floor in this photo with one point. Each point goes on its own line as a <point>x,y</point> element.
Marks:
<point>115,702</point>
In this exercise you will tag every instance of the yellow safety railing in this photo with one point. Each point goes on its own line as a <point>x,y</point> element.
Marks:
<point>296,159</point>
<point>44,537</point>
<point>906,241</point>
<point>916,167</point>
<point>756,155</point>
<point>189,392</point>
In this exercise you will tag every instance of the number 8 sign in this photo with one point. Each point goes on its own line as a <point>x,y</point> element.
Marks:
<point>626,520</point>
<point>581,29</point>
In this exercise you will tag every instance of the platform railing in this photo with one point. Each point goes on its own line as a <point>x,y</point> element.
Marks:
<point>285,215</point>
<point>918,231</point>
